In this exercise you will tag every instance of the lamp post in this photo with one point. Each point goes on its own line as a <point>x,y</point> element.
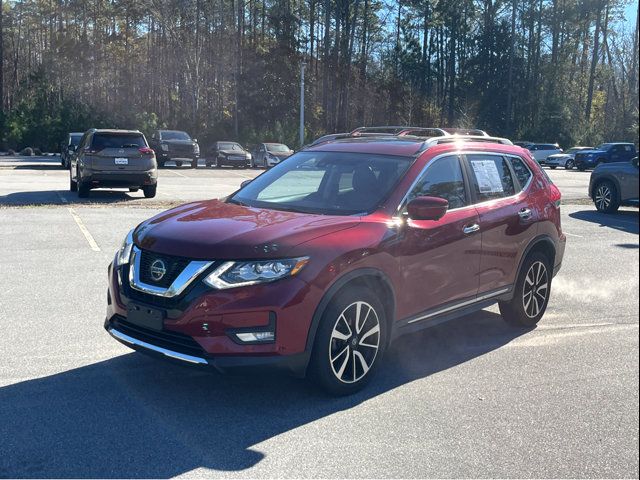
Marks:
<point>302,66</point>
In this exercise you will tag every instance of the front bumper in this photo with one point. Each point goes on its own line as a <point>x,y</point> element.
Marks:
<point>200,324</point>
<point>171,156</point>
<point>292,364</point>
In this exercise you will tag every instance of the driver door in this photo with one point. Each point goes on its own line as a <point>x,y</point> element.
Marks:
<point>440,259</point>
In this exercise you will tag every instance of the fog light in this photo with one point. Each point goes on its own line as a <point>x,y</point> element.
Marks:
<point>250,337</point>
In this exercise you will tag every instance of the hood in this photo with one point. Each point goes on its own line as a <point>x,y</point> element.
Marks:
<point>179,142</point>
<point>559,155</point>
<point>590,151</point>
<point>232,152</point>
<point>281,154</point>
<point>216,230</point>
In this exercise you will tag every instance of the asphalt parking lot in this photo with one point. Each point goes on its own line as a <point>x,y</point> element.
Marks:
<point>470,398</point>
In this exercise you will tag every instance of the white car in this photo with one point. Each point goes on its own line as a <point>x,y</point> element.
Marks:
<point>541,151</point>
<point>565,159</point>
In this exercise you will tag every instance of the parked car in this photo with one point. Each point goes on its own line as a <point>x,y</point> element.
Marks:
<point>614,184</point>
<point>113,159</point>
<point>315,266</point>
<point>68,147</point>
<point>270,154</point>
<point>228,153</point>
<point>176,146</point>
<point>605,153</point>
<point>541,151</point>
<point>565,159</point>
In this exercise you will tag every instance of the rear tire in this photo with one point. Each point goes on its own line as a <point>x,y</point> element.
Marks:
<point>178,164</point>
<point>531,295</point>
<point>194,164</point>
<point>133,189</point>
<point>605,197</point>
<point>568,165</point>
<point>552,167</point>
<point>350,341</point>
<point>150,190</point>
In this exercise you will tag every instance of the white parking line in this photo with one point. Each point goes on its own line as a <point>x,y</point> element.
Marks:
<point>90,240</point>
<point>572,235</point>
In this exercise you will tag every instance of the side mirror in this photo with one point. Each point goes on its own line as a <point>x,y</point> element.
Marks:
<point>634,162</point>
<point>245,183</point>
<point>427,208</point>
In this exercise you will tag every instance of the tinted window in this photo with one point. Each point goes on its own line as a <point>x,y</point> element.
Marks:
<point>229,146</point>
<point>74,139</point>
<point>523,174</point>
<point>491,177</point>
<point>443,178</point>
<point>333,183</point>
<point>117,140</point>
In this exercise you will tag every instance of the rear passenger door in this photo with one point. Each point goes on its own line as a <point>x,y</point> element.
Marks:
<point>507,215</point>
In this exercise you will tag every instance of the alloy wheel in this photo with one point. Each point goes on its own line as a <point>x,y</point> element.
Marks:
<point>603,197</point>
<point>354,342</point>
<point>536,289</point>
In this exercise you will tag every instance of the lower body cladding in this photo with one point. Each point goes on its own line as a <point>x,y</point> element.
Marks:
<point>121,179</point>
<point>229,330</point>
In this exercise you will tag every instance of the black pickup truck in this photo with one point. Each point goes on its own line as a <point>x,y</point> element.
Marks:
<point>176,146</point>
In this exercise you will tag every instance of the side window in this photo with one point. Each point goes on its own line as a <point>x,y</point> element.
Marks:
<point>491,177</point>
<point>523,174</point>
<point>443,179</point>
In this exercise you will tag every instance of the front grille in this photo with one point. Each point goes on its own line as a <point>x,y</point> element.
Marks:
<point>174,341</point>
<point>173,266</point>
<point>184,149</point>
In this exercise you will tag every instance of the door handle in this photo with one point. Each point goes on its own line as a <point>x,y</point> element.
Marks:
<point>469,229</point>
<point>525,214</point>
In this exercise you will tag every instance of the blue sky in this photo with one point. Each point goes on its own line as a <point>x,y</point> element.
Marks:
<point>630,13</point>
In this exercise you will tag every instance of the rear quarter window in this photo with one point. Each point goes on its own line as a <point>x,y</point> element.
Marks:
<point>491,177</point>
<point>523,174</point>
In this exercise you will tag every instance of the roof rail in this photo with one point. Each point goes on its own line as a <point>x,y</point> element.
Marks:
<point>399,130</point>
<point>465,138</point>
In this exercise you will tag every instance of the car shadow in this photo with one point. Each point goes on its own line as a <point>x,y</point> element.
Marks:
<point>65,197</point>
<point>134,416</point>
<point>623,220</point>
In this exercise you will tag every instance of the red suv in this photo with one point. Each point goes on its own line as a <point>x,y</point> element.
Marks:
<point>315,266</point>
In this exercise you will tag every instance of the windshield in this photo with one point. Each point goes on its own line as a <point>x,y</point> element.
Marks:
<point>174,135</point>
<point>277,147</point>
<point>117,140</point>
<point>331,183</point>
<point>229,146</point>
<point>75,140</point>
<point>605,146</point>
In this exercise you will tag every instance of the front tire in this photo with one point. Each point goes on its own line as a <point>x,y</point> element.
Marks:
<point>531,295</point>
<point>349,342</point>
<point>605,197</point>
<point>552,167</point>
<point>178,164</point>
<point>568,165</point>
<point>194,164</point>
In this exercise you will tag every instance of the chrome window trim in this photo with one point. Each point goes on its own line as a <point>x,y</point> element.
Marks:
<point>182,281</point>
<point>118,335</point>
<point>460,153</point>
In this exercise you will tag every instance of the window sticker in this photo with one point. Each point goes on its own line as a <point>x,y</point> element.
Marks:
<point>489,180</point>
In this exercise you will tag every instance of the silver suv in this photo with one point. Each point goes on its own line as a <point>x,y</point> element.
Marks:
<point>113,159</point>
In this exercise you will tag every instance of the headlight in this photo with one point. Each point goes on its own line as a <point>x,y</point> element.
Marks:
<point>240,274</point>
<point>164,147</point>
<point>124,254</point>
<point>249,156</point>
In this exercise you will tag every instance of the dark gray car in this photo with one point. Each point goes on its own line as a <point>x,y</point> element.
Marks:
<point>113,158</point>
<point>175,146</point>
<point>68,147</point>
<point>614,184</point>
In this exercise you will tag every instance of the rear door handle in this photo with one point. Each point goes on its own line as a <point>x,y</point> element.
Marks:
<point>469,229</point>
<point>525,214</point>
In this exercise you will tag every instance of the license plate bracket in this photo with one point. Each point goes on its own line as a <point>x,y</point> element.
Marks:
<point>144,316</point>
<point>121,161</point>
